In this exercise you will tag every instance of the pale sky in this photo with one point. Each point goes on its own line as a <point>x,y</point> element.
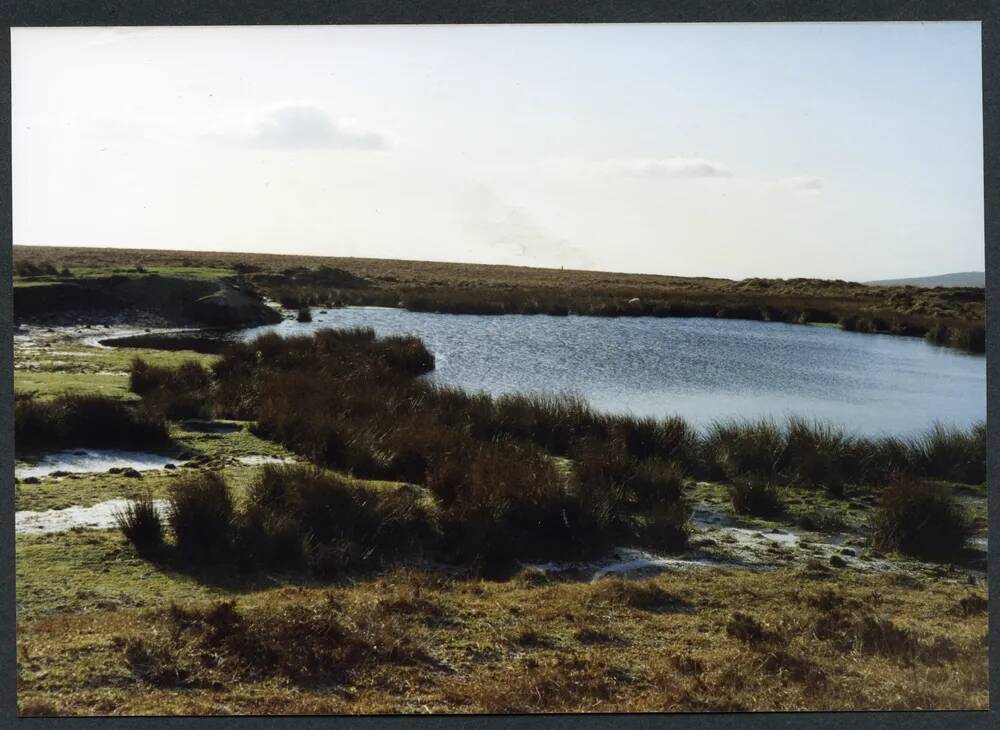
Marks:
<point>831,150</point>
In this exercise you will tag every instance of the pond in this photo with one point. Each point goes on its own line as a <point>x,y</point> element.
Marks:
<point>701,369</point>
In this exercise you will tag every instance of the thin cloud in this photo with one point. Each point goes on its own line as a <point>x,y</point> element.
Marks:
<point>802,183</point>
<point>669,167</point>
<point>303,126</point>
<point>512,235</point>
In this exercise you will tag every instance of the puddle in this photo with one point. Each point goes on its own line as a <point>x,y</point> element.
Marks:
<point>100,516</point>
<point>89,461</point>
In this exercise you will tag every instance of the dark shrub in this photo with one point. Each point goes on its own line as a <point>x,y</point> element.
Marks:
<point>667,527</point>
<point>756,497</point>
<point>296,514</point>
<point>84,421</point>
<point>30,268</point>
<point>655,483</point>
<point>200,513</point>
<point>922,519</point>
<point>173,393</point>
<point>140,523</point>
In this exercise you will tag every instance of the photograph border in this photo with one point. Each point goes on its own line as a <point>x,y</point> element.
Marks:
<point>312,12</point>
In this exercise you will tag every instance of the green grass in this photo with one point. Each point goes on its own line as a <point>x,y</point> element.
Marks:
<point>92,272</point>
<point>70,366</point>
<point>47,385</point>
<point>90,570</point>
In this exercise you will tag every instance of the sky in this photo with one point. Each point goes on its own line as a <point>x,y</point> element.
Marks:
<point>848,150</point>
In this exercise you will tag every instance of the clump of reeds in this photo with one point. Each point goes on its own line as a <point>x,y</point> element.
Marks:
<point>140,523</point>
<point>922,519</point>
<point>173,393</point>
<point>757,497</point>
<point>200,514</point>
<point>83,421</point>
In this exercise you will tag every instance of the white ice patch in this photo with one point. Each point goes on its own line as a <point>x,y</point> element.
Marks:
<point>100,516</point>
<point>89,461</point>
<point>258,460</point>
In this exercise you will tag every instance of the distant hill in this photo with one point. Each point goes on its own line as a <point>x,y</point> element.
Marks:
<point>961,278</point>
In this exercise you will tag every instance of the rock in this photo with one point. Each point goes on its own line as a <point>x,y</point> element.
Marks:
<point>169,466</point>
<point>132,473</point>
<point>837,562</point>
<point>59,473</point>
<point>30,480</point>
<point>115,470</point>
<point>848,551</point>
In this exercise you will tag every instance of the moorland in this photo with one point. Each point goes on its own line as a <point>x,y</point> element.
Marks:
<point>329,532</point>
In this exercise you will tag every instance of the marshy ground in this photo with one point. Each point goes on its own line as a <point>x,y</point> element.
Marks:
<point>796,608</point>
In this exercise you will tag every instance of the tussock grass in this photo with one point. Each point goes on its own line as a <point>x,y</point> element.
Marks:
<point>816,454</point>
<point>922,519</point>
<point>81,421</point>
<point>200,514</point>
<point>756,497</point>
<point>172,393</point>
<point>140,523</point>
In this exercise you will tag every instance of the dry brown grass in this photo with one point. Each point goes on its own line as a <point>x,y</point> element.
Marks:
<point>415,642</point>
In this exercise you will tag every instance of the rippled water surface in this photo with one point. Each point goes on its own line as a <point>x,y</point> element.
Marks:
<point>701,369</point>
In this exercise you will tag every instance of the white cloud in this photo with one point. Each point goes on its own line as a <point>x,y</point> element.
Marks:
<point>802,183</point>
<point>302,126</point>
<point>668,167</point>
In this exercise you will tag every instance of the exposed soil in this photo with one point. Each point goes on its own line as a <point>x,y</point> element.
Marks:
<point>147,300</point>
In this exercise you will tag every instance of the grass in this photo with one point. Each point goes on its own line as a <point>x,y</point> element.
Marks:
<point>49,275</point>
<point>410,641</point>
<point>58,365</point>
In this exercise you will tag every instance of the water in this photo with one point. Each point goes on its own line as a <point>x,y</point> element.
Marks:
<point>701,369</point>
<point>89,461</point>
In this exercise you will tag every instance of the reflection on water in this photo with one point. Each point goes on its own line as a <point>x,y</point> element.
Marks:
<point>701,369</point>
